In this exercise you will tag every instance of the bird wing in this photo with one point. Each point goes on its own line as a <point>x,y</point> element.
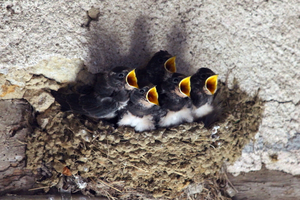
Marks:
<point>90,105</point>
<point>99,107</point>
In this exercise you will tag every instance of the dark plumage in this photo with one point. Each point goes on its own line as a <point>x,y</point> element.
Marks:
<point>175,105</point>
<point>160,67</point>
<point>145,97</point>
<point>102,99</point>
<point>141,110</point>
<point>203,86</point>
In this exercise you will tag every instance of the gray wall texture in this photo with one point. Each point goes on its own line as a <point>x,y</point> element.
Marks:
<point>257,42</point>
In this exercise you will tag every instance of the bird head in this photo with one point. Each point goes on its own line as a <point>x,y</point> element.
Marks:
<point>117,76</point>
<point>146,97</point>
<point>206,80</point>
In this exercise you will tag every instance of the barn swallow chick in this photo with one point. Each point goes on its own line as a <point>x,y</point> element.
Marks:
<point>175,104</point>
<point>141,109</point>
<point>203,85</point>
<point>108,94</point>
<point>161,67</point>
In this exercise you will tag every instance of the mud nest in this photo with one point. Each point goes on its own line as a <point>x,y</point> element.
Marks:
<point>74,153</point>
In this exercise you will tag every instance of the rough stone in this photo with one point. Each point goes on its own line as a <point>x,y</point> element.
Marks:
<point>15,124</point>
<point>33,84</point>
<point>40,100</point>
<point>60,69</point>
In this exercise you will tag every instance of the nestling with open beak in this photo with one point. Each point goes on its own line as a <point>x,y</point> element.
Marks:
<point>176,106</point>
<point>203,85</point>
<point>142,109</point>
<point>160,67</point>
<point>103,99</point>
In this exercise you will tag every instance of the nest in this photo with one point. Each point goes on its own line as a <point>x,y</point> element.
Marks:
<point>74,153</point>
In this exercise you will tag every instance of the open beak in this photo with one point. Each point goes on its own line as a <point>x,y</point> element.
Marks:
<point>211,84</point>
<point>185,86</point>
<point>170,65</point>
<point>131,79</point>
<point>152,96</point>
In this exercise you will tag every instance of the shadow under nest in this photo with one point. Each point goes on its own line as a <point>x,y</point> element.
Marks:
<point>73,153</point>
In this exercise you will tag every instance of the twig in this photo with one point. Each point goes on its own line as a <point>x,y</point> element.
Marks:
<point>21,142</point>
<point>38,188</point>
<point>138,168</point>
<point>109,195</point>
<point>109,185</point>
<point>179,173</point>
<point>92,180</point>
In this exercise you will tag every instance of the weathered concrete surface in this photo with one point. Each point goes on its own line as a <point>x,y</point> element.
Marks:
<point>258,40</point>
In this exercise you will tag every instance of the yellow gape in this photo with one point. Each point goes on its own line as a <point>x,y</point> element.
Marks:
<point>152,96</point>
<point>185,86</point>
<point>131,79</point>
<point>170,65</point>
<point>211,84</point>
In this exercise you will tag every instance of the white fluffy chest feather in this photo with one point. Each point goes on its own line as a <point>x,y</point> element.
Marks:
<point>174,118</point>
<point>202,110</point>
<point>139,123</point>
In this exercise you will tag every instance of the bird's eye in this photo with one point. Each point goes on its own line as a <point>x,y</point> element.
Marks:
<point>203,76</point>
<point>121,75</point>
<point>161,60</point>
<point>175,80</point>
<point>142,91</point>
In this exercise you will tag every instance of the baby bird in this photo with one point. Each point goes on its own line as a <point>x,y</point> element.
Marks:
<point>176,106</point>
<point>160,67</point>
<point>103,99</point>
<point>142,109</point>
<point>203,85</point>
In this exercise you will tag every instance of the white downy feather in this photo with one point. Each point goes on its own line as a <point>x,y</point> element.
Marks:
<point>202,110</point>
<point>174,118</point>
<point>139,123</point>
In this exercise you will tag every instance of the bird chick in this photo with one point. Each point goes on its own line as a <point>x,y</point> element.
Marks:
<point>175,104</point>
<point>141,110</point>
<point>103,99</point>
<point>160,67</point>
<point>203,85</point>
